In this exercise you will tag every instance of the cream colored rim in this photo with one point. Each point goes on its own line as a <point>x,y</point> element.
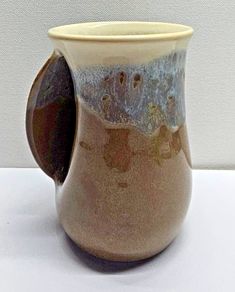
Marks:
<point>121,31</point>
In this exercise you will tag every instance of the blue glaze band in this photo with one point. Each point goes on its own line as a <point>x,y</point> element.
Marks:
<point>146,96</point>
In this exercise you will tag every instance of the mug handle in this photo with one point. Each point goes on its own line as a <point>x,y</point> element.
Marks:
<point>51,118</point>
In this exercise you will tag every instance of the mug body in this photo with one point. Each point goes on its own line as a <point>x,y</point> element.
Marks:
<point>128,185</point>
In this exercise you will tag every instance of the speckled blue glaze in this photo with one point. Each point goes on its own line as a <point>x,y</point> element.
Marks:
<point>146,96</point>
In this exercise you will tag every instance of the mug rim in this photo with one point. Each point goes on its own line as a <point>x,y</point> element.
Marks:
<point>169,31</point>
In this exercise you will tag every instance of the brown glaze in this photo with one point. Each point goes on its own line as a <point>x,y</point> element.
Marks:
<point>123,184</point>
<point>85,145</point>
<point>127,193</point>
<point>117,152</point>
<point>51,118</point>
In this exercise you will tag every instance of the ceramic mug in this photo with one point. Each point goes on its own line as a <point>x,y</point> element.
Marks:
<point>106,121</point>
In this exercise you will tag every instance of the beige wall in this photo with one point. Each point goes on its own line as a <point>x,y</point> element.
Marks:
<point>210,70</point>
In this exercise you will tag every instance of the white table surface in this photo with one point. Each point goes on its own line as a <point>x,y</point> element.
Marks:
<point>35,254</point>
